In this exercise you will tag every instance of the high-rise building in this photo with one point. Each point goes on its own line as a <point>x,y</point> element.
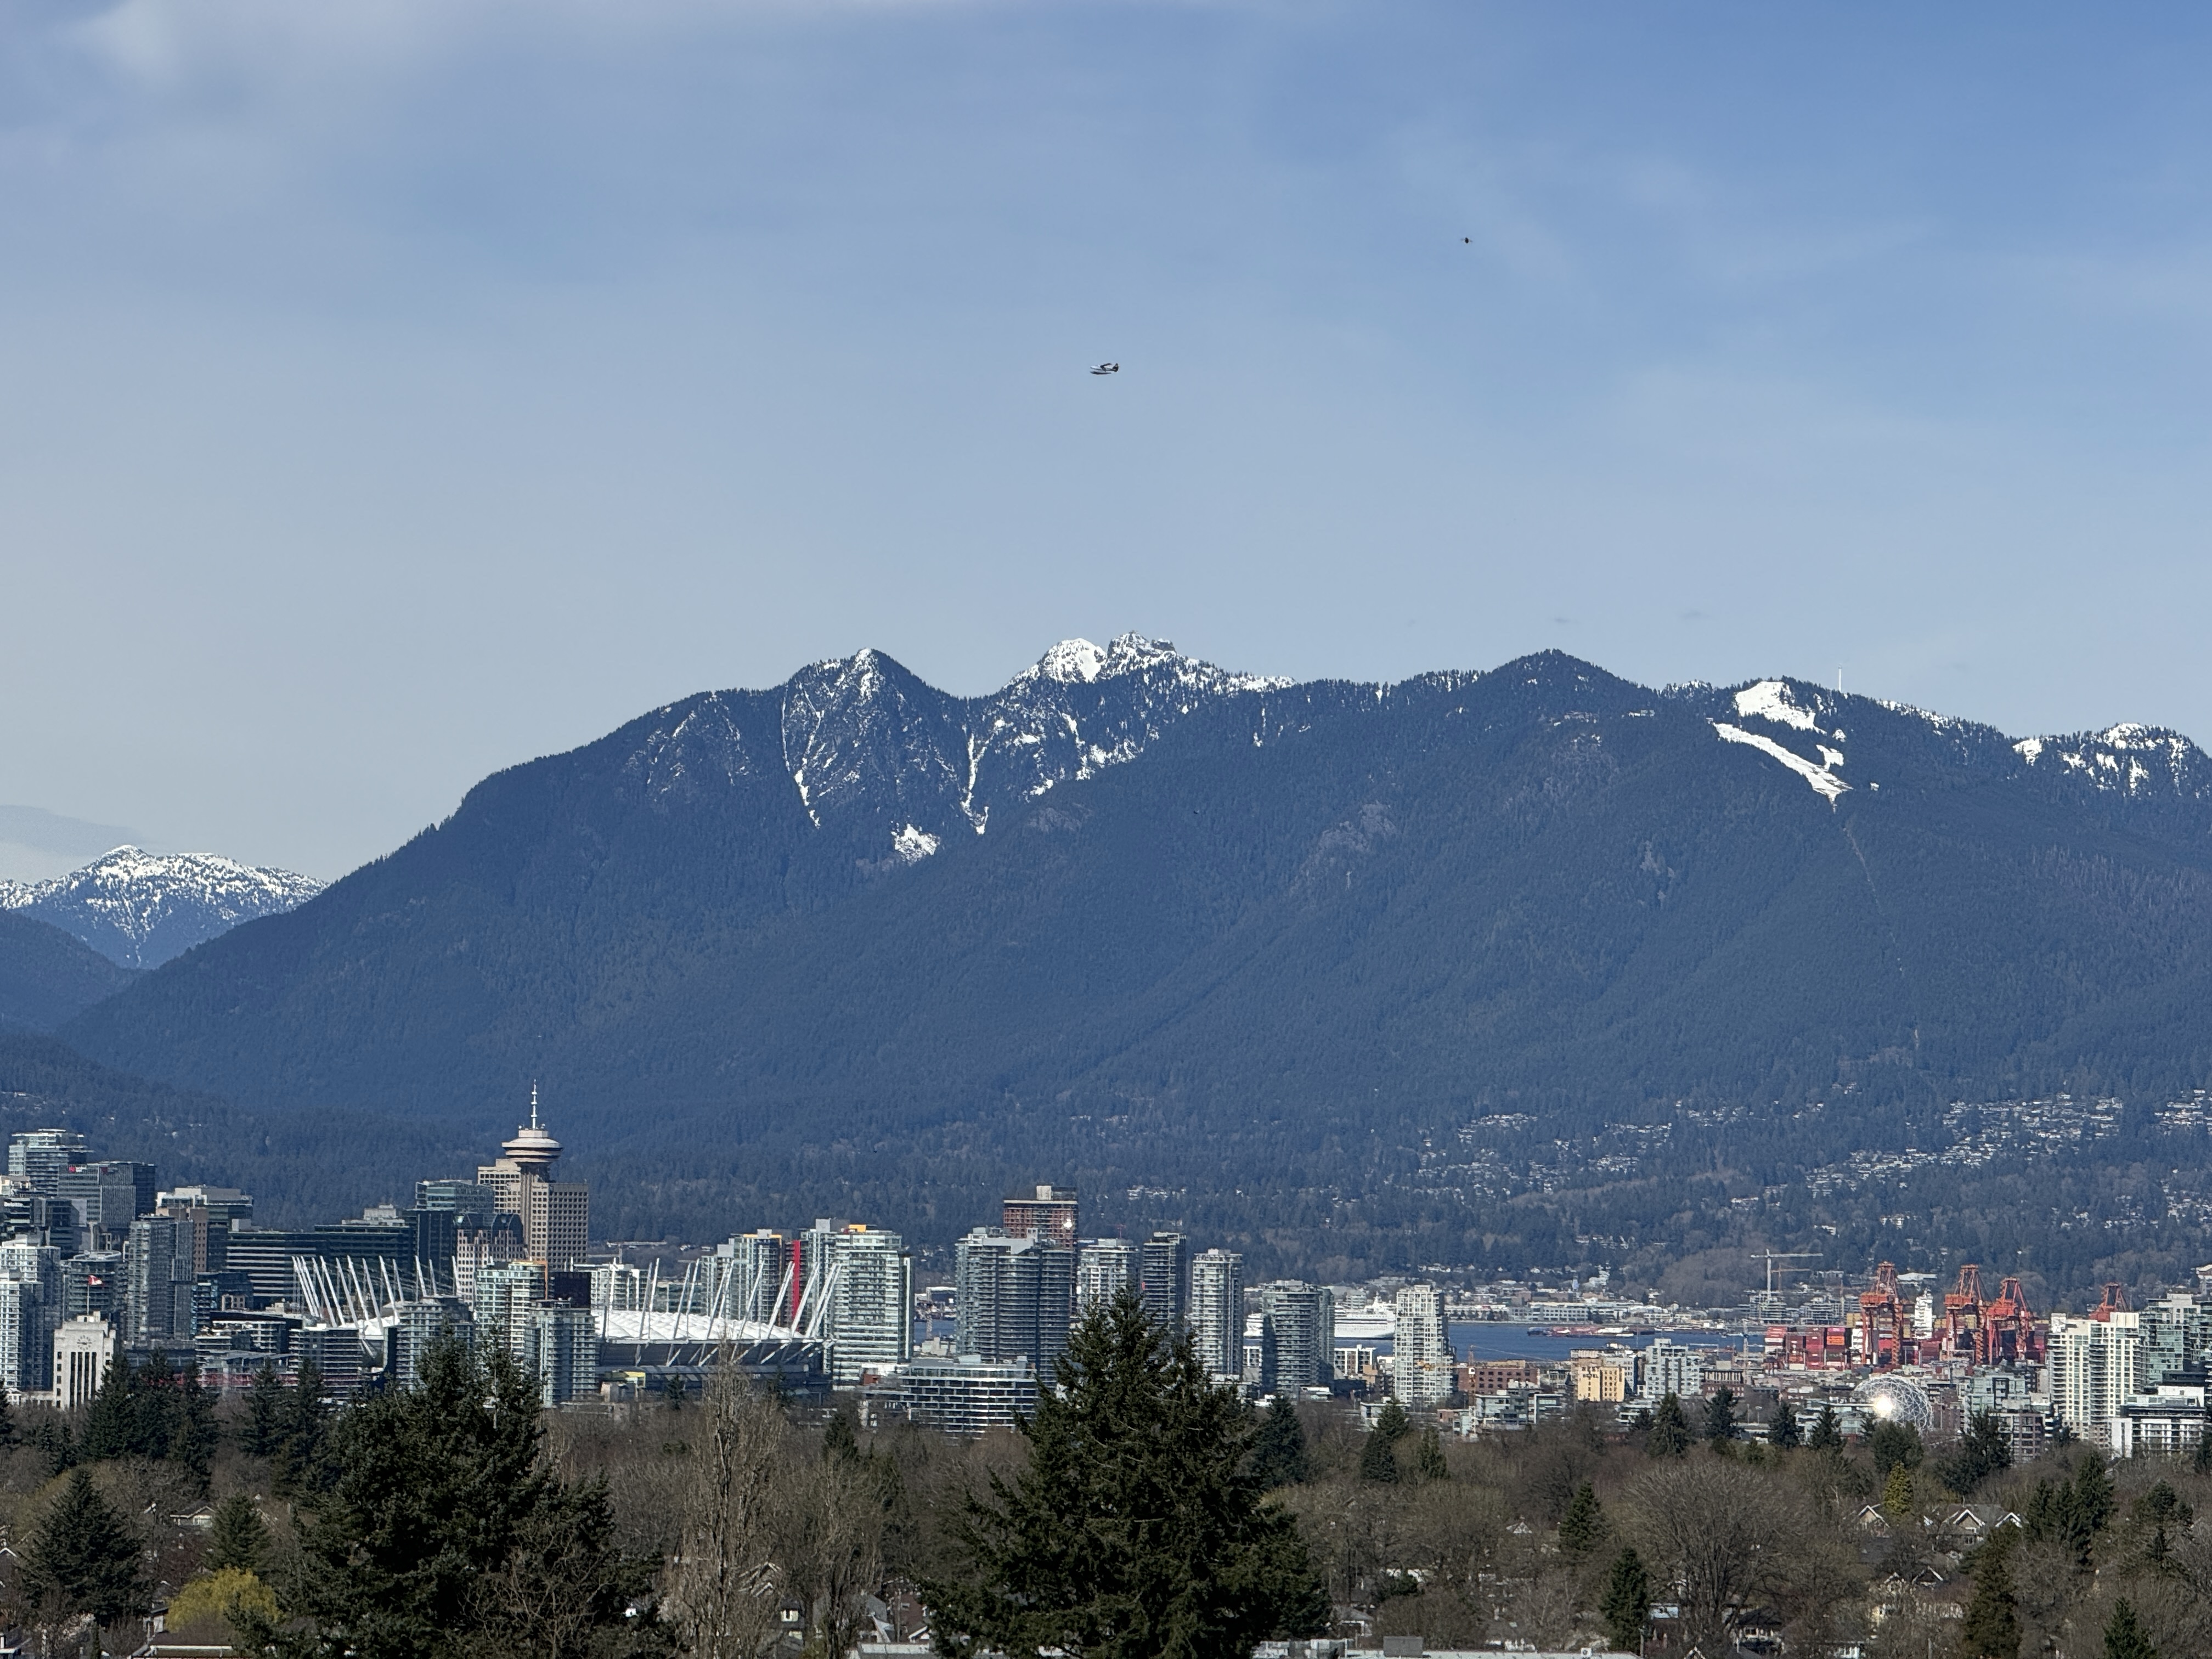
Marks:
<point>1671,1368</point>
<point>40,1156</point>
<point>2094,1365</point>
<point>108,1196</point>
<point>1299,1323</point>
<point>416,1326</point>
<point>871,1325</point>
<point>1421,1368</point>
<point>563,1349</point>
<point>1015,1298</point>
<point>83,1350</point>
<point>30,1299</point>
<point>556,1223</point>
<point>213,1212</point>
<point>92,1284</point>
<point>507,1297</point>
<point>744,1277</point>
<point>1166,1278</point>
<point>44,1219</point>
<point>1104,1267</point>
<point>1217,1312</point>
<point>1049,1216</point>
<point>813,1256</point>
<point>157,1274</point>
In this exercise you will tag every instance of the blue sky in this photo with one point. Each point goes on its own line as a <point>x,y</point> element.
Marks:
<point>392,390</point>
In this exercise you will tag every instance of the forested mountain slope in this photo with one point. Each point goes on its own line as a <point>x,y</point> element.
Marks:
<point>1206,935</point>
<point>46,974</point>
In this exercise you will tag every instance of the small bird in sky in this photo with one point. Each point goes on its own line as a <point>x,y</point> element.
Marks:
<point>1106,369</point>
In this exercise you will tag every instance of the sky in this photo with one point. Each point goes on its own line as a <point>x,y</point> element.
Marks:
<point>392,390</point>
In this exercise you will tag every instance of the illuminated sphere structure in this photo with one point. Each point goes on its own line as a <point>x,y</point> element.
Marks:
<point>1896,1400</point>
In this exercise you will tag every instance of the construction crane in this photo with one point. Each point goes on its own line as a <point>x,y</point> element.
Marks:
<point>1770,1257</point>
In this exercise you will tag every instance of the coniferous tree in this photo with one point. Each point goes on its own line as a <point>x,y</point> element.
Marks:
<point>2124,1635</point>
<point>1670,1430</point>
<point>262,1435</point>
<point>1720,1416</point>
<point>1626,1604</point>
<point>1582,1527</point>
<point>1990,1629</point>
<point>442,1528</point>
<point>1891,1443</point>
<point>194,1431</point>
<point>1429,1462</point>
<point>8,1437</point>
<point>240,1538</point>
<point>2200,1462</point>
<point>2093,1498</point>
<point>1137,1528</point>
<point>1378,1458</point>
<point>1782,1430</point>
<point>110,1421</point>
<point>82,1559</point>
<point>1391,1421</point>
<point>1278,1449</point>
<point>677,1393</point>
<point>1827,1434</point>
<point>1982,1452</point>
<point>839,1443</point>
<point>1897,1494</point>
<point>301,1457</point>
<point>49,1439</point>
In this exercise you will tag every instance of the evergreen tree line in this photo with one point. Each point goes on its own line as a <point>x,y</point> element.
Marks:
<point>1141,1511</point>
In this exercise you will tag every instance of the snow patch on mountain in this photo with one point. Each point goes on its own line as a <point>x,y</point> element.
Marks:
<point>1769,700</point>
<point>141,909</point>
<point>911,845</point>
<point>1824,781</point>
<point>2127,758</point>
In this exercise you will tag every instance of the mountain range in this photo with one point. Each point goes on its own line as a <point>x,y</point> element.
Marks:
<point>1533,964</point>
<point>139,909</point>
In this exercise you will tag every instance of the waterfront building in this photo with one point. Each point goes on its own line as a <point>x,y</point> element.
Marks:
<point>1421,1367</point>
<point>1669,1367</point>
<point>1217,1312</point>
<point>1298,1332</point>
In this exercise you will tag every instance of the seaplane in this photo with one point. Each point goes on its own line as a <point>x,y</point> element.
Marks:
<point>1106,369</point>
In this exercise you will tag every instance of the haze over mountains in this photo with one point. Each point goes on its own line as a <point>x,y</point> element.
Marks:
<point>1333,958</point>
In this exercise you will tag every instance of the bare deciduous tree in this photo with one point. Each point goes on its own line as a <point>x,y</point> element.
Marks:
<point>723,1587</point>
<point>1732,1538</point>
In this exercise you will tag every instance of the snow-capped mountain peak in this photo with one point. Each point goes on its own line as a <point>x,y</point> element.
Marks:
<point>141,909</point>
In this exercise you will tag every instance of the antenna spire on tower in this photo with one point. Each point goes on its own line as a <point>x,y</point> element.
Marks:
<point>533,1103</point>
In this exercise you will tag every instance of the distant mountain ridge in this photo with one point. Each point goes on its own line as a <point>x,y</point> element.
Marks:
<point>139,909</point>
<point>1263,951</point>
